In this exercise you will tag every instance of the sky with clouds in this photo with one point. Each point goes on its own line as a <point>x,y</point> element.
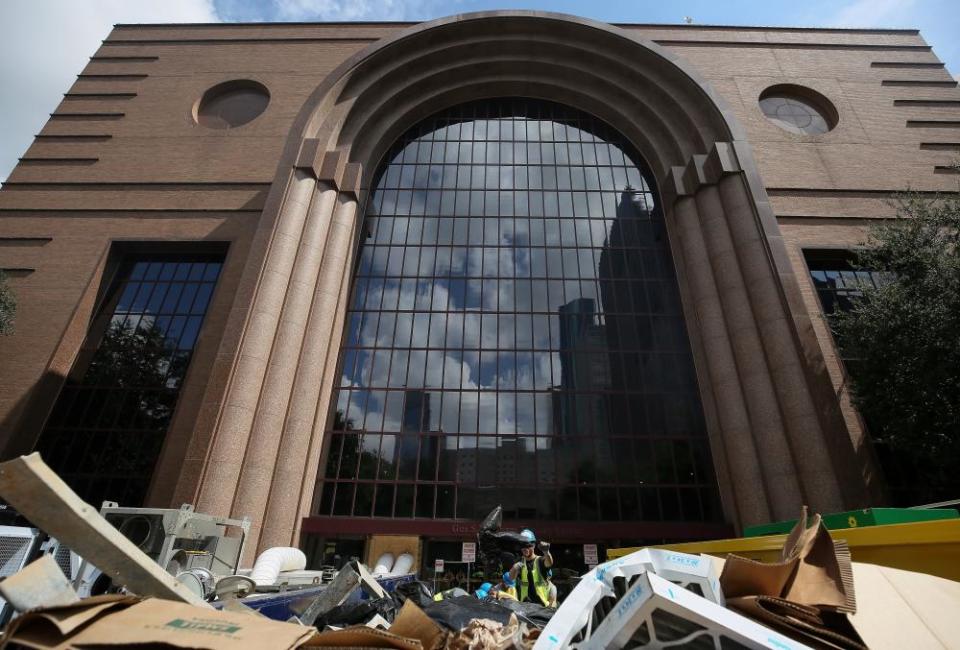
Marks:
<point>44,44</point>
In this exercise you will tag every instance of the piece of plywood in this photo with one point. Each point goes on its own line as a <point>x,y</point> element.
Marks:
<point>30,486</point>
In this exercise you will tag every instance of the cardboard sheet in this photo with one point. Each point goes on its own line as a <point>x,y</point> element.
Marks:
<point>903,609</point>
<point>113,621</point>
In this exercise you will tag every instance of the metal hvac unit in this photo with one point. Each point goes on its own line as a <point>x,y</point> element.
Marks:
<point>68,561</point>
<point>18,545</point>
<point>182,539</point>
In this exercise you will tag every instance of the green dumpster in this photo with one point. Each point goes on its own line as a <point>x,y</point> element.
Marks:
<point>858,519</point>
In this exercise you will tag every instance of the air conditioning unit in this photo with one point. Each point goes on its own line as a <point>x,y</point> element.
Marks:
<point>68,561</point>
<point>18,546</point>
<point>182,539</point>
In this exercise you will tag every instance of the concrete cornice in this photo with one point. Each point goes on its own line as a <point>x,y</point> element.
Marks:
<point>701,170</point>
<point>358,110</point>
<point>329,167</point>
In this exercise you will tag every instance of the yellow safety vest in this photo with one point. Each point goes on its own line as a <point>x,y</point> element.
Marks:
<point>539,582</point>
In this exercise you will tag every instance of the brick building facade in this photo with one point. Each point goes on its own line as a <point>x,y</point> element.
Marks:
<point>207,192</point>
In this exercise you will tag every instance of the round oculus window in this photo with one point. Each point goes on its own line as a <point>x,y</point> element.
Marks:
<point>798,110</point>
<point>231,104</point>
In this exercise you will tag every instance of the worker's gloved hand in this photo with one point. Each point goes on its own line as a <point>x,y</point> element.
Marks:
<point>545,547</point>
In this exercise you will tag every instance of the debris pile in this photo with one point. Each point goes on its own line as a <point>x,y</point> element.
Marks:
<point>190,593</point>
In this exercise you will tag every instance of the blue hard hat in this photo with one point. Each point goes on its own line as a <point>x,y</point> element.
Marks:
<point>483,590</point>
<point>527,534</point>
<point>507,580</point>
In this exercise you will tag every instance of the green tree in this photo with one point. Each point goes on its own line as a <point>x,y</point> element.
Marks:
<point>904,339</point>
<point>8,305</point>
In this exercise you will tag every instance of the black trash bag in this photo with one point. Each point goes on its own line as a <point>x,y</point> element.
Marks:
<point>415,590</point>
<point>455,613</point>
<point>492,521</point>
<point>499,549</point>
<point>532,613</point>
<point>358,613</point>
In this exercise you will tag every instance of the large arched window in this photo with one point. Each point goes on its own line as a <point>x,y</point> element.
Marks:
<point>515,334</point>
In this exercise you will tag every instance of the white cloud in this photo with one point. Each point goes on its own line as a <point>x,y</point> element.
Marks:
<point>44,44</point>
<point>874,13</point>
<point>936,20</point>
<point>347,10</point>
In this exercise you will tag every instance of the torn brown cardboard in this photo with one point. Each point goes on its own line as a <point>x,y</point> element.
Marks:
<point>899,609</point>
<point>39,584</point>
<point>411,630</point>
<point>161,623</point>
<point>49,627</point>
<point>805,594</point>
<point>813,571</point>
<point>412,622</point>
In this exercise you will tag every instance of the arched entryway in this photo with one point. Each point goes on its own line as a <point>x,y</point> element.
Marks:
<point>515,337</point>
<point>776,435</point>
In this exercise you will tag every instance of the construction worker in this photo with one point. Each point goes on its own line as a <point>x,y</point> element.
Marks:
<point>530,572</point>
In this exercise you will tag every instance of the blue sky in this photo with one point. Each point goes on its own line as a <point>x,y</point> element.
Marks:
<point>45,43</point>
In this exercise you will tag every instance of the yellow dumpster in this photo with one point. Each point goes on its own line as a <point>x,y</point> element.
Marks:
<point>931,547</point>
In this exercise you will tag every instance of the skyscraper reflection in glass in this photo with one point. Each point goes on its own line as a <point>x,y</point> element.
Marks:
<point>515,333</point>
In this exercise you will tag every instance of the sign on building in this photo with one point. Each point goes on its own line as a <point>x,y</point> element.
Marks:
<point>469,552</point>
<point>590,555</point>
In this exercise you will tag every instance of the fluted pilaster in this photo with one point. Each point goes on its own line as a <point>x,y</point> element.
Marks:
<point>789,434</point>
<point>232,432</point>
<point>778,467</point>
<point>303,430</point>
<point>266,425</point>
<point>819,480</point>
<point>736,433</point>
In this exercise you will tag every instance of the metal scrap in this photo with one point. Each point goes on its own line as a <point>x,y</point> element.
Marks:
<point>30,486</point>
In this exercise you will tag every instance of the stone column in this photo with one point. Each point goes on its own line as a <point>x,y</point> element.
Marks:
<point>749,486</point>
<point>274,407</point>
<point>780,472</point>
<point>221,472</point>
<point>330,380</point>
<point>296,468</point>
<point>270,393</point>
<point>817,470</point>
<point>806,456</point>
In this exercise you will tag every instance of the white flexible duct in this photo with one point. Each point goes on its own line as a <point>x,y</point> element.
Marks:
<point>383,564</point>
<point>403,565</point>
<point>274,560</point>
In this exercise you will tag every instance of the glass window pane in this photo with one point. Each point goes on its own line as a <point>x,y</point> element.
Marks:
<point>537,302</point>
<point>141,344</point>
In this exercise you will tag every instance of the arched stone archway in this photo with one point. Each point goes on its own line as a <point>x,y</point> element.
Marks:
<point>776,434</point>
